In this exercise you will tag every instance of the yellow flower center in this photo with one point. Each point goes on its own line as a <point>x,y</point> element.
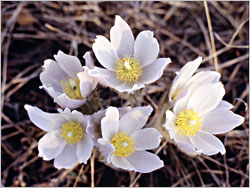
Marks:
<point>124,145</point>
<point>72,132</point>
<point>128,69</point>
<point>188,122</point>
<point>71,87</point>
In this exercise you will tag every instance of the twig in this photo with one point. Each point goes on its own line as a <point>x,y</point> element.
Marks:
<point>79,174</point>
<point>211,36</point>
<point>92,168</point>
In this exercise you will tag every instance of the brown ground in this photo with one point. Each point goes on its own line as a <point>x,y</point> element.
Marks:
<point>34,31</point>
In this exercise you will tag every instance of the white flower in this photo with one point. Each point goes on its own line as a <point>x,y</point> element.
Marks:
<point>123,140</point>
<point>66,140</point>
<point>185,79</point>
<point>67,81</point>
<point>199,115</point>
<point>129,63</point>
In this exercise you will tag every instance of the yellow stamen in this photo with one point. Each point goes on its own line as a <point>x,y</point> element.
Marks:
<point>128,69</point>
<point>72,132</point>
<point>188,122</point>
<point>124,145</point>
<point>71,87</point>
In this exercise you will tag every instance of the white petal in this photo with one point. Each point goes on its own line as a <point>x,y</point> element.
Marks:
<point>206,97</point>
<point>67,158</point>
<point>106,149</point>
<point>110,123</point>
<point>123,110</point>
<point>50,145</point>
<point>180,138</point>
<point>87,82</point>
<point>181,103</point>
<point>170,123</point>
<point>105,52</point>
<point>135,119</point>
<point>50,91</point>
<point>207,143</point>
<point>154,71</point>
<point>43,120</point>
<point>129,87</point>
<point>122,38</point>
<point>52,75</point>
<point>89,62</point>
<point>65,102</point>
<point>144,161</point>
<point>204,77</point>
<point>84,148</point>
<point>142,141</point>
<point>75,116</point>
<point>225,105</point>
<point>106,77</point>
<point>70,64</point>
<point>146,48</point>
<point>189,149</point>
<point>121,162</point>
<point>184,75</point>
<point>221,121</point>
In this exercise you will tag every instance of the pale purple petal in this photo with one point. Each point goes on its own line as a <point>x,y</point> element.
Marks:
<point>106,77</point>
<point>154,71</point>
<point>170,123</point>
<point>184,75</point>
<point>84,148</point>
<point>144,161</point>
<point>110,123</point>
<point>122,38</point>
<point>105,52</point>
<point>52,75</point>
<point>43,120</point>
<point>121,162</point>
<point>69,64</point>
<point>67,158</point>
<point>87,82</point>
<point>106,149</point>
<point>206,98</point>
<point>50,145</point>
<point>225,105</point>
<point>207,143</point>
<point>148,138</point>
<point>221,121</point>
<point>129,87</point>
<point>146,48</point>
<point>135,119</point>
<point>89,62</point>
<point>65,102</point>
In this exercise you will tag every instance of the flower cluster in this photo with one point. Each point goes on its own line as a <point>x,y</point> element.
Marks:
<point>196,110</point>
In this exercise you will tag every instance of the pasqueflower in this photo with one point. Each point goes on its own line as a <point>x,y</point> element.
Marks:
<point>124,142</point>
<point>67,81</point>
<point>199,115</point>
<point>129,64</point>
<point>66,140</point>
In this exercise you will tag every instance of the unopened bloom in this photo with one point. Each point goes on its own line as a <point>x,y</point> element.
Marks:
<point>129,63</point>
<point>66,140</point>
<point>67,81</point>
<point>199,115</point>
<point>123,140</point>
<point>186,80</point>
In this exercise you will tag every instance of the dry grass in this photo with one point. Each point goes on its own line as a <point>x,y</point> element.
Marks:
<point>34,31</point>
